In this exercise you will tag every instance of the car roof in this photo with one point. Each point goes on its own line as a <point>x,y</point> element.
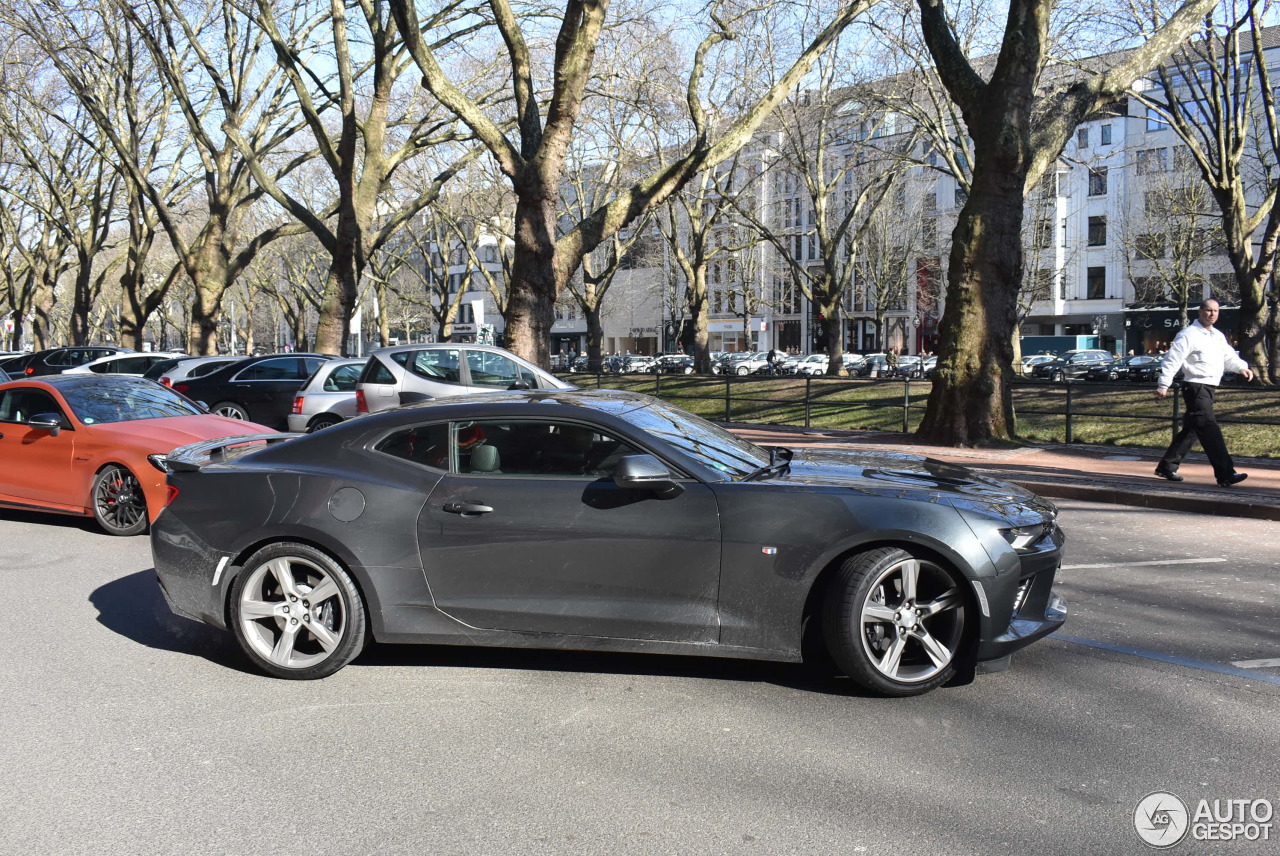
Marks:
<point>77,381</point>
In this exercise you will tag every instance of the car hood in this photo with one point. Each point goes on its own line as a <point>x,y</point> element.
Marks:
<point>164,435</point>
<point>914,477</point>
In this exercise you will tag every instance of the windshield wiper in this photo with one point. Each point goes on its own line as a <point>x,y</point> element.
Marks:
<point>779,462</point>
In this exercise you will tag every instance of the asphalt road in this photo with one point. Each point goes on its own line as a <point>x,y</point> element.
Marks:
<point>127,730</point>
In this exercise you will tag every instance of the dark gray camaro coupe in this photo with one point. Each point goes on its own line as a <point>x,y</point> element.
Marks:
<point>607,521</point>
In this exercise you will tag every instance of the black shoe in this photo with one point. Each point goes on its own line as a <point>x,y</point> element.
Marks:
<point>1232,480</point>
<point>1168,474</point>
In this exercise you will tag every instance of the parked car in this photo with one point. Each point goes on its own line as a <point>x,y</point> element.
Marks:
<point>603,520</point>
<point>673,364</point>
<point>1115,370</point>
<point>128,363</point>
<point>258,389</point>
<point>408,373</point>
<point>629,364</point>
<point>92,446</point>
<point>53,361</point>
<point>745,363</point>
<point>812,365</point>
<point>1071,365</point>
<point>327,397</point>
<point>4,376</point>
<point>1028,363</point>
<point>1144,369</point>
<point>171,371</point>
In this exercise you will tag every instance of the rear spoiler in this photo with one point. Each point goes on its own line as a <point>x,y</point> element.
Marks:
<point>190,458</point>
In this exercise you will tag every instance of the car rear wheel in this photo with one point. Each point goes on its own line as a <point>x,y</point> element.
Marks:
<point>297,613</point>
<point>895,622</point>
<point>322,422</point>
<point>119,505</point>
<point>230,409</point>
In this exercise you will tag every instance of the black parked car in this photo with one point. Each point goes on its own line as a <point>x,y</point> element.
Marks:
<point>603,520</point>
<point>673,364</point>
<point>57,360</point>
<point>259,389</point>
<point>1071,365</point>
<point>1142,368</point>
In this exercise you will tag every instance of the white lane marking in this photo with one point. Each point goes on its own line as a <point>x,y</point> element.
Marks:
<point>1256,664</point>
<point>1143,564</point>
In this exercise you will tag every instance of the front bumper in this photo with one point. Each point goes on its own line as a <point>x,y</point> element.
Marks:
<point>1025,608</point>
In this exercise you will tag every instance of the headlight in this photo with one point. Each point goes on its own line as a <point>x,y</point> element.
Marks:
<point>158,462</point>
<point>1024,538</point>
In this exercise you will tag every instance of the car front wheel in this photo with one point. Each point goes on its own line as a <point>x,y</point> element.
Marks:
<point>231,410</point>
<point>119,505</point>
<point>742,370</point>
<point>895,622</point>
<point>297,613</point>
<point>1058,377</point>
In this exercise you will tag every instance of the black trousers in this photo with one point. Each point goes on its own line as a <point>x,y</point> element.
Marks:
<point>1199,423</point>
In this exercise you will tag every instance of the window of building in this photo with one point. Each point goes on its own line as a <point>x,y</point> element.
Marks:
<point>930,203</point>
<point>962,196</point>
<point>929,232</point>
<point>1043,233</point>
<point>1155,122</point>
<point>1082,138</point>
<point>1096,283</point>
<point>1097,231</point>
<point>1106,135</point>
<point>1098,181</point>
<point>1224,288</point>
<point>1152,161</point>
<point>1148,289</point>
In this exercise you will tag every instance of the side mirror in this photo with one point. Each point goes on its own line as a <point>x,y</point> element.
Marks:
<point>645,472</point>
<point>518,385</point>
<point>50,422</point>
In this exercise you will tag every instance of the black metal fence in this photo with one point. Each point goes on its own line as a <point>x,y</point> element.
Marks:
<point>1075,411</point>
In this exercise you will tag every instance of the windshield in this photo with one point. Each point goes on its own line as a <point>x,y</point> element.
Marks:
<point>708,444</point>
<point>98,403</point>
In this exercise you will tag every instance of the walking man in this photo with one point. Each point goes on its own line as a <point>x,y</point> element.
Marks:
<point>1203,353</point>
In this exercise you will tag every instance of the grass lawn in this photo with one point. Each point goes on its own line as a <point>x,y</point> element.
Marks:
<point>1101,413</point>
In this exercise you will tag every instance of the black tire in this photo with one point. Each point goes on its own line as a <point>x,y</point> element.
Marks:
<point>279,623</point>
<point>119,506</point>
<point>1058,377</point>
<point>891,636</point>
<point>324,420</point>
<point>231,410</point>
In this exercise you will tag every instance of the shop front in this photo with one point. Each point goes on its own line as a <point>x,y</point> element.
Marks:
<point>1151,331</point>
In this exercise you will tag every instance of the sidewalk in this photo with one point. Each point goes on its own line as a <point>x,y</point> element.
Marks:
<point>1119,475</point>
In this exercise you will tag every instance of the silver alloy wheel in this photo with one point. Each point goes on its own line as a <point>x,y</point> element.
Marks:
<point>118,502</point>
<point>231,410</point>
<point>905,638</point>
<point>742,370</point>
<point>291,612</point>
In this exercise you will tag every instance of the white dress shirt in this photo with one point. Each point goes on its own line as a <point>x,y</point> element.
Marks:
<point>1202,353</point>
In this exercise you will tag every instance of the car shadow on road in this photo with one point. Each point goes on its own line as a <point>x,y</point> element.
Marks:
<point>134,607</point>
<point>795,676</point>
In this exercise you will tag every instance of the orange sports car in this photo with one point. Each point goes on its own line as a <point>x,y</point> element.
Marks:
<point>94,445</point>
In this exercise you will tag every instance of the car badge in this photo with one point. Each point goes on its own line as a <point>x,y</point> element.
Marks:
<point>769,551</point>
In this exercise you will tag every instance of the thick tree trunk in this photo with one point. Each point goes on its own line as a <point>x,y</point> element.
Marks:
<point>82,299</point>
<point>536,279</point>
<point>209,283</point>
<point>970,403</point>
<point>1253,325</point>
<point>595,337</point>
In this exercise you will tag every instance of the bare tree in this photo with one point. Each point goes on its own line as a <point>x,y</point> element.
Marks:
<point>1169,232</point>
<point>546,256</point>
<point>1216,95</point>
<point>1019,126</point>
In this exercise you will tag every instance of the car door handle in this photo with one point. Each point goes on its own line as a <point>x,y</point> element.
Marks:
<point>467,509</point>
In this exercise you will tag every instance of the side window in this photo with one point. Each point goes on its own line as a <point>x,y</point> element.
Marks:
<point>309,366</point>
<point>343,378</point>
<point>285,368</point>
<point>493,371</point>
<point>19,405</point>
<point>422,444</point>
<point>441,365</point>
<point>534,447</point>
<point>376,372</point>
